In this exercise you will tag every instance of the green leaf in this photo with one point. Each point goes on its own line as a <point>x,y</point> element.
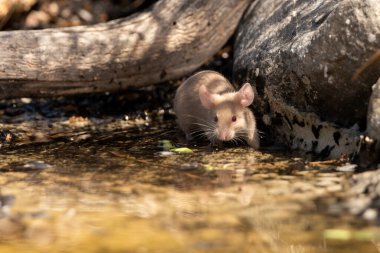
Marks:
<point>182,150</point>
<point>166,145</point>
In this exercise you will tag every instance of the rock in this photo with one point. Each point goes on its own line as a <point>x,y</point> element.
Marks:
<point>357,206</point>
<point>370,214</point>
<point>347,168</point>
<point>370,150</point>
<point>301,56</point>
<point>373,117</point>
<point>37,19</point>
<point>364,195</point>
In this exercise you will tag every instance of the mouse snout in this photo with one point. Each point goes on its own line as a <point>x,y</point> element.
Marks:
<point>225,134</point>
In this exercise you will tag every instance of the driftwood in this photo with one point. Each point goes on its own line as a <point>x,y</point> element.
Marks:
<point>169,40</point>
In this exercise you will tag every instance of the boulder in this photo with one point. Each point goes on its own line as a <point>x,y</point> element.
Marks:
<point>373,117</point>
<point>302,55</point>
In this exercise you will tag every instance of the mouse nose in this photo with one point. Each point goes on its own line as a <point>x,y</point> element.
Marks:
<point>225,135</point>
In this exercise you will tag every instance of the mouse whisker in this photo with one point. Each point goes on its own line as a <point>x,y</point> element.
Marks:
<point>200,135</point>
<point>209,131</point>
<point>212,136</point>
<point>261,133</point>
<point>197,134</point>
<point>197,118</point>
<point>241,134</point>
<point>235,140</point>
<point>240,139</point>
<point>204,126</point>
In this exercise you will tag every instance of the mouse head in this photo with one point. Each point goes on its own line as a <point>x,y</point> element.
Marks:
<point>226,111</point>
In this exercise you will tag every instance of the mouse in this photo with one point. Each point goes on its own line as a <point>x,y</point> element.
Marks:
<point>206,104</point>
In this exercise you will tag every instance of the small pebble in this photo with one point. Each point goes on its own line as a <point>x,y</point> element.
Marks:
<point>85,15</point>
<point>347,168</point>
<point>370,214</point>
<point>190,166</point>
<point>358,205</point>
<point>165,153</point>
<point>36,165</point>
<point>26,100</point>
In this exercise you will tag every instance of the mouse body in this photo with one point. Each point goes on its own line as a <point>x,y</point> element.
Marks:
<point>206,104</point>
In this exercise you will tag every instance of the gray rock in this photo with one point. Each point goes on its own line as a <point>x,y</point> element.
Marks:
<point>373,117</point>
<point>358,205</point>
<point>364,195</point>
<point>302,55</point>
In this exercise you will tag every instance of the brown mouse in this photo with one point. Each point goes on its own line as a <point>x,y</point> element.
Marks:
<point>207,104</point>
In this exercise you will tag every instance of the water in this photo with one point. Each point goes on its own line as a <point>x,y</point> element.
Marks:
<point>117,190</point>
<point>72,182</point>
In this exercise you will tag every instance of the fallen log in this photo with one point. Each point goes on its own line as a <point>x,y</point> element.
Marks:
<point>166,42</point>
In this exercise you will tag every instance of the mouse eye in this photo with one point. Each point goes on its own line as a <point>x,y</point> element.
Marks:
<point>216,118</point>
<point>233,118</point>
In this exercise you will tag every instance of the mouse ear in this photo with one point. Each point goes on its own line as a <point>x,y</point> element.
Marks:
<point>207,98</point>
<point>245,95</point>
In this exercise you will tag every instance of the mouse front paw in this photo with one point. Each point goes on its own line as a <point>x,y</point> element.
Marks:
<point>254,141</point>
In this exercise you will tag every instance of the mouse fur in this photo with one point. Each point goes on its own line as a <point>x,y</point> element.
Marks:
<point>206,104</point>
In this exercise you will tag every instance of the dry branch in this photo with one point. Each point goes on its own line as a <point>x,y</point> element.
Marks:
<point>169,40</point>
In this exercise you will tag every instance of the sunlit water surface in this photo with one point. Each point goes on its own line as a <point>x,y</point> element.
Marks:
<point>123,190</point>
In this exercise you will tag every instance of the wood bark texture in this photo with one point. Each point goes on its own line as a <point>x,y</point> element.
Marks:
<point>165,42</point>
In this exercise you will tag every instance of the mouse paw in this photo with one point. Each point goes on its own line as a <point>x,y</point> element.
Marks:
<point>254,141</point>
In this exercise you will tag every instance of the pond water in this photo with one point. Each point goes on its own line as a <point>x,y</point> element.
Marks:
<point>114,185</point>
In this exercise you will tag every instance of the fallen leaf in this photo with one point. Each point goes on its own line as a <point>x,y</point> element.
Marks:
<point>182,150</point>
